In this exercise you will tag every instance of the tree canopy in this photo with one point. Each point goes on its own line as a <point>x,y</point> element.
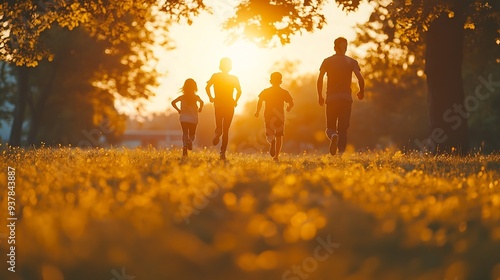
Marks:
<point>99,51</point>
<point>77,90</point>
<point>265,22</point>
<point>23,22</point>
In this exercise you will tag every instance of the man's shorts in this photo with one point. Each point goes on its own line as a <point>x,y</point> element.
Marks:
<point>275,127</point>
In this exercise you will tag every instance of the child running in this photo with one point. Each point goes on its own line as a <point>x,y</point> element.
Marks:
<point>274,114</point>
<point>188,113</point>
<point>224,85</point>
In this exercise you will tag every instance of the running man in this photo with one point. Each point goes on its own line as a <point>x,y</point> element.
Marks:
<point>339,69</point>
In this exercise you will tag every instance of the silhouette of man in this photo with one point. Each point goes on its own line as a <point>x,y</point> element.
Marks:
<point>224,85</point>
<point>339,69</point>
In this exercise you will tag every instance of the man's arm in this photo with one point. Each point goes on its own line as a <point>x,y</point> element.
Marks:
<point>361,83</point>
<point>319,87</point>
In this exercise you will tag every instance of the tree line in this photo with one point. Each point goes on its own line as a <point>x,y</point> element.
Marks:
<point>65,62</point>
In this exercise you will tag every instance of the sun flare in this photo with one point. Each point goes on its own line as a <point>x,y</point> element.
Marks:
<point>251,65</point>
<point>247,58</point>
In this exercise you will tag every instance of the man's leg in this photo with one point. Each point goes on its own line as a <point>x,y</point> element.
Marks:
<point>344,121</point>
<point>219,114</point>
<point>332,114</point>
<point>226,124</point>
<point>279,142</point>
<point>331,119</point>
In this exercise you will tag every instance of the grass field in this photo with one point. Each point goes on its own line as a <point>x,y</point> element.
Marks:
<point>147,214</point>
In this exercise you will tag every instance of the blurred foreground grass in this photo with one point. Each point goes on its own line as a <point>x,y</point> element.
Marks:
<point>111,214</point>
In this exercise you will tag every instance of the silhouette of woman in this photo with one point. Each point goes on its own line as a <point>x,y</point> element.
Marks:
<point>224,85</point>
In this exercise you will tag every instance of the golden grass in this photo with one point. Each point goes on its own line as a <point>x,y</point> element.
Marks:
<point>84,213</point>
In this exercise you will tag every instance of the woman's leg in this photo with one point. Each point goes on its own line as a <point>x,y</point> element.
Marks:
<point>219,116</point>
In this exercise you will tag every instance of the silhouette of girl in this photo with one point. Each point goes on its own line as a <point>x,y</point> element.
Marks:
<point>188,113</point>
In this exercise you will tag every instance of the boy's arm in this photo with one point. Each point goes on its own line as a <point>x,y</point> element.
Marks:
<point>174,104</point>
<point>361,83</point>
<point>259,106</point>
<point>319,87</point>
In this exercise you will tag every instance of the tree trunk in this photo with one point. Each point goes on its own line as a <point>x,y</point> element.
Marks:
<point>38,108</point>
<point>19,112</point>
<point>35,121</point>
<point>448,113</point>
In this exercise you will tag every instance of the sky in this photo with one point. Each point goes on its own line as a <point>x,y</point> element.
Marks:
<point>200,46</point>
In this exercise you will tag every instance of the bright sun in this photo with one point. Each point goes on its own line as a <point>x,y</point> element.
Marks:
<point>250,64</point>
<point>245,56</point>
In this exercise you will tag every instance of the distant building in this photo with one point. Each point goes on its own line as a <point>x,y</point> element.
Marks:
<point>155,138</point>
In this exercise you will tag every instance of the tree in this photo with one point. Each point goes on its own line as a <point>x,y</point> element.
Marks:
<point>7,86</point>
<point>24,23</point>
<point>82,83</point>
<point>440,26</point>
<point>436,47</point>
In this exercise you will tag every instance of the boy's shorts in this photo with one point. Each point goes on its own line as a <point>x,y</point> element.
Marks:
<point>275,127</point>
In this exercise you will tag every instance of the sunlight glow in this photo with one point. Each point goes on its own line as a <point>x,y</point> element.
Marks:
<point>199,47</point>
<point>251,65</point>
<point>246,57</point>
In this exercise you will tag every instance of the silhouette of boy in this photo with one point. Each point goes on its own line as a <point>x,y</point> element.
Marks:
<point>224,85</point>
<point>339,69</point>
<point>274,114</point>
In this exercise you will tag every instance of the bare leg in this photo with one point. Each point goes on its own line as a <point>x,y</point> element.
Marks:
<point>185,138</point>
<point>219,115</point>
<point>226,123</point>
<point>185,133</point>
<point>192,135</point>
